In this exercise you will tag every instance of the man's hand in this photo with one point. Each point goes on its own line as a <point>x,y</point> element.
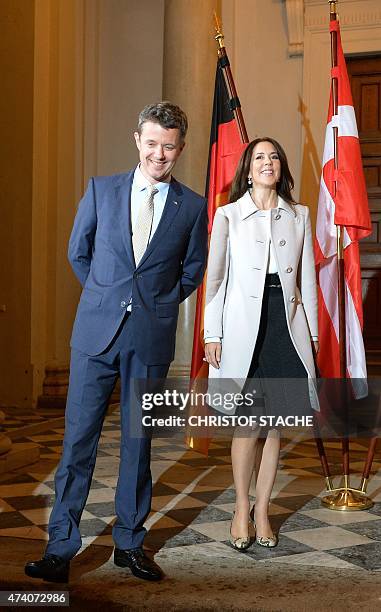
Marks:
<point>213,354</point>
<point>316,346</point>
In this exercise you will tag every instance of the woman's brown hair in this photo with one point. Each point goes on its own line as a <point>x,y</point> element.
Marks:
<point>239,184</point>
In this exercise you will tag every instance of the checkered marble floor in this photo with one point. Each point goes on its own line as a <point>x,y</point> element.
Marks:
<point>193,501</point>
<point>16,418</point>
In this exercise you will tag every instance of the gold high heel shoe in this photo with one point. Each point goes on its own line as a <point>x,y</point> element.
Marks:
<point>266,542</point>
<point>242,544</point>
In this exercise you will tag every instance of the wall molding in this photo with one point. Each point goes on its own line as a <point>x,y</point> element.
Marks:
<point>352,14</point>
<point>295,25</point>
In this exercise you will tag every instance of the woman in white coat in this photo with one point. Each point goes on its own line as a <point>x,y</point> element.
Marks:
<point>261,312</point>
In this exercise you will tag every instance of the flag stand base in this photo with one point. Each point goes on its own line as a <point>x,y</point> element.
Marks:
<point>347,499</point>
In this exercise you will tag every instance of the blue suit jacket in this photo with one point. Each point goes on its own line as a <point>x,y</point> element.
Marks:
<point>101,255</point>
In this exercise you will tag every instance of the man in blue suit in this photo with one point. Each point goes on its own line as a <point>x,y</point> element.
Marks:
<point>138,248</point>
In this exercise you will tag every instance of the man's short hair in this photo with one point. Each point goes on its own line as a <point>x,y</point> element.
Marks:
<point>166,114</point>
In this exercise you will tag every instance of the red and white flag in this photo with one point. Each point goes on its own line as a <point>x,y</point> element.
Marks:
<point>348,207</point>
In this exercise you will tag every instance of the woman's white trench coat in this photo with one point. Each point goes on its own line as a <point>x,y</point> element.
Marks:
<point>237,269</point>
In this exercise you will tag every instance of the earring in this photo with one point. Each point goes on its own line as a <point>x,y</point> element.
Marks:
<point>249,182</point>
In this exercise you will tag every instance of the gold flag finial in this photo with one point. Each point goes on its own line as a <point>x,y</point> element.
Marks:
<point>332,7</point>
<point>219,35</point>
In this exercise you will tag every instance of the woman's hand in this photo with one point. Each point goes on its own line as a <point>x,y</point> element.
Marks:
<point>316,346</point>
<point>213,353</point>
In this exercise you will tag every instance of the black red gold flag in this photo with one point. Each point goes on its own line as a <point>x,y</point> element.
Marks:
<point>225,150</point>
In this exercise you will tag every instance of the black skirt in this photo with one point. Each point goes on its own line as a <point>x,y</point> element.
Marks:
<point>277,377</point>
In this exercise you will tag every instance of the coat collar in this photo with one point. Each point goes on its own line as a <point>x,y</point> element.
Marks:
<point>140,183</point>
<point>247,207</point>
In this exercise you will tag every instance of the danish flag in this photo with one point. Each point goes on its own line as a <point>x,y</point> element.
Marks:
<point>347,205</point>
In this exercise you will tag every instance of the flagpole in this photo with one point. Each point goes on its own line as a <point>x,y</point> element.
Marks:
<point>343,498</point>
<point>340,242</point>
<point>225,87</point>
<point>225,64</point>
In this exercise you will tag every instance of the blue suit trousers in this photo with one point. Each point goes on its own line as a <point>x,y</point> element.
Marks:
<point>92,380</point>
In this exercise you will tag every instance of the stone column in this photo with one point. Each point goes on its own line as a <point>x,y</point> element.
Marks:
<point>190,55</point>
<point>57,185</point>
<point>16,182</point>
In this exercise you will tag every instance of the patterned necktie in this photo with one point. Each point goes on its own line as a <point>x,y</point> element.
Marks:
<point>143,225</point>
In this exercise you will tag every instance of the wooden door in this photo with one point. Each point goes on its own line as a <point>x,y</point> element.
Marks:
<point>365,75</point>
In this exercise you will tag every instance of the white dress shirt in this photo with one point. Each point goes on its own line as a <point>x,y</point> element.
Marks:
<point>271,261</point>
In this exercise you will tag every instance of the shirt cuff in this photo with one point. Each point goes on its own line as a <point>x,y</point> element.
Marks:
<point>212,339</point>
<point>315,338</point>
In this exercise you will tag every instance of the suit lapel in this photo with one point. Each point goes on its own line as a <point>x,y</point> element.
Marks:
<point>171,208</point>
<point>123,197</point>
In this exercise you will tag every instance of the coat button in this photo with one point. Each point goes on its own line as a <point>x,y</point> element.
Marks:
<point>289,269</point>
<point>292,298</point>
<point>282,242</point>
<point>277,217</point>
<point>123,304</point>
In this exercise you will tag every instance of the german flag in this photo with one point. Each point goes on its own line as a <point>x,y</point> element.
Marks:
<point>225,150</point>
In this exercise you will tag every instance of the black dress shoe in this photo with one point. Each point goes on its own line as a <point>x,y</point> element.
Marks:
<point>51,568</point>
<point>138,562</point>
